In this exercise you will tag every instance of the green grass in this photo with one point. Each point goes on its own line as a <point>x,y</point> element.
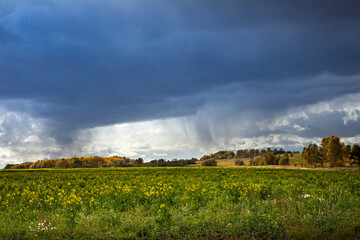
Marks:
<point>179,203</point>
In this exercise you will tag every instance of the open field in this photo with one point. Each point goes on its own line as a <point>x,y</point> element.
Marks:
<point>186,203</point>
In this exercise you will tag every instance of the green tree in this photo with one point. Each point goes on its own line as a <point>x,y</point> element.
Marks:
<point>355,154</point>
<point>75,162</point>
<point>139,161</point>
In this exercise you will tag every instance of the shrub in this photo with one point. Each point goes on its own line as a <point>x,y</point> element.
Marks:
<point>284,160</point>
<point>191,161</point>
<point>258,161</point>
<point>210,162</point>
<point>270,159</point>
<point>239,162</point>
<point>339,163</point>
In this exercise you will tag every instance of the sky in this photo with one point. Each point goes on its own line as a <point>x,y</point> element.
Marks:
<point>175,78</point>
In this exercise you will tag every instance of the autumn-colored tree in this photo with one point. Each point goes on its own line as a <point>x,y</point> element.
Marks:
<point>270,159</point>
<point>332,150</point>
<point>252,152</point>
<point>239,153</point>
<point>346,153</point>
<point>284,160</point>
<point>61,163</point>
<point>311,155</point>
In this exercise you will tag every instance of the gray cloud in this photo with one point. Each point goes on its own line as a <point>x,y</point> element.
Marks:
<point>81,64</point>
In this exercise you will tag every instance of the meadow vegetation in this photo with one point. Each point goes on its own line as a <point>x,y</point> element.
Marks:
<point>173,203</point>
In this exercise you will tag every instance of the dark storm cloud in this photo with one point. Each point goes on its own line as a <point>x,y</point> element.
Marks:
<point>101,62</point>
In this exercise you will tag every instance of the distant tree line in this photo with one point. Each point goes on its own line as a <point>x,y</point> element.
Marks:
<point>250,153</point>
<point>271,159</point>
<point>75,162</point>
<point>245,153</point>
<point>168,163</point>
<point>96,162</point>
<point>331,152</point>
